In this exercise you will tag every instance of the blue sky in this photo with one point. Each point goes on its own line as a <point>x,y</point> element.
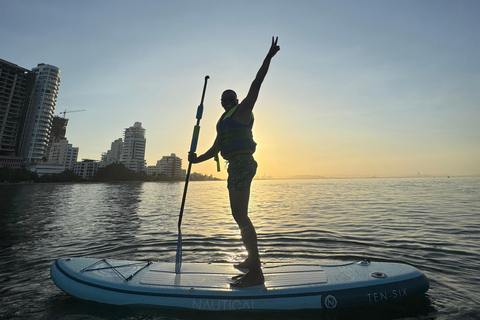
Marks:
<point>359,88</point>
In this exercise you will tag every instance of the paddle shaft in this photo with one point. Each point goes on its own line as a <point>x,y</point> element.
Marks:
<point>193,148</point>
<point>180,217</point>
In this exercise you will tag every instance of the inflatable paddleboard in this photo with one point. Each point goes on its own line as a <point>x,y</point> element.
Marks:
<point>205,286</point>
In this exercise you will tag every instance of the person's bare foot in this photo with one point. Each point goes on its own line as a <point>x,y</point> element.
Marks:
<point>250,279</point>
<point>243,265</point>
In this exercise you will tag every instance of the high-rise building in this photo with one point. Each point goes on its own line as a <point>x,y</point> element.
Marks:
<point>16,85</point>
<point>63,153</point>
<point>40,116</point>
<point>58,132</point>
<point>59,128</point>
<point>134,143</point>
<point>114,155</point>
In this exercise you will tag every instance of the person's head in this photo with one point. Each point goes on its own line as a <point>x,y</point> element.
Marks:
<point>229,99</point>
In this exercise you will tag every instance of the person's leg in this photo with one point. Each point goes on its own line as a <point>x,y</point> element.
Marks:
<point>241,171</point>
<point>239,205</point>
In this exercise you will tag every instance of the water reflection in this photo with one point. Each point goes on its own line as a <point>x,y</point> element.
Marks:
<point>33,207</point>
<point>100,217</point>
<point>118,212</point>
<point>432,224</point>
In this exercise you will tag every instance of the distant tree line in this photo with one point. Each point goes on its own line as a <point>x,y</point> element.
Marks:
<point>112,172</point>
<point>8,174</point>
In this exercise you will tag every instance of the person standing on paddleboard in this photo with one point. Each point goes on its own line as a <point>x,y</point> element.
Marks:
<point>235,143</point>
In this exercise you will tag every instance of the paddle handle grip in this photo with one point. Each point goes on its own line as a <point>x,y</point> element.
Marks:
<point>199,112</point>
<point>196,133</point>
<point>196,129</point>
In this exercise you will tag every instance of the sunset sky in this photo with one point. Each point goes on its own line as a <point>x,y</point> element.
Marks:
<point>359,88</point>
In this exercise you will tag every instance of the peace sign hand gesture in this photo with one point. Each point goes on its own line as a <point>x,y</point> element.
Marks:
<point>274,48</point>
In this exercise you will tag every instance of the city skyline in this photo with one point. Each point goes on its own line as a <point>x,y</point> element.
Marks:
<point>357,89</point>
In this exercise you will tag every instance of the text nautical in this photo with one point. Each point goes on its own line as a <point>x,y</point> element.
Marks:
<point>213,304</point>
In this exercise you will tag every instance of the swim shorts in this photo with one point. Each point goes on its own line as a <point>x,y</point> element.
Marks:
<point>241,170</point>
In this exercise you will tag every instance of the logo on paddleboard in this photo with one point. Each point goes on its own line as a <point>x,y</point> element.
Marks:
<point>330,302</point>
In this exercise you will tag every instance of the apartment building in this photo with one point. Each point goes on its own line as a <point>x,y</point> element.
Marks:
<point>63,153</point>
<point>114,155</point>
<point>16,86</point>
<point>86,169</point>
<point>134,143</point>
<point>39,117</point>
<point>171,166</point>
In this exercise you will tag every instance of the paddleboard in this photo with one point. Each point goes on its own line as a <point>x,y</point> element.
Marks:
<point>205,286</point>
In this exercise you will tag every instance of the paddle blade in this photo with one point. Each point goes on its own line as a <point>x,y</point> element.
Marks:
<point>178,259</point>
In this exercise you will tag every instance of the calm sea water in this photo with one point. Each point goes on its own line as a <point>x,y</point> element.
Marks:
<point>432,224</point>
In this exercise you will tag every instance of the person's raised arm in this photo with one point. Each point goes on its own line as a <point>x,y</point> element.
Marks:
<point>249,102</point>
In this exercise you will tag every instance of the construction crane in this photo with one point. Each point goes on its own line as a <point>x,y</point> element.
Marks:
<point>70,111</point>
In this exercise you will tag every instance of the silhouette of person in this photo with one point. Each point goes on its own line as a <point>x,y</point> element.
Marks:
<point>235,143</point>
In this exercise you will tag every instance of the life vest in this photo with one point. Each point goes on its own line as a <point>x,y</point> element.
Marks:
<point>233,135</point>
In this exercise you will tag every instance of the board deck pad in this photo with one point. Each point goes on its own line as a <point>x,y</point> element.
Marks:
<point>220,276</point>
